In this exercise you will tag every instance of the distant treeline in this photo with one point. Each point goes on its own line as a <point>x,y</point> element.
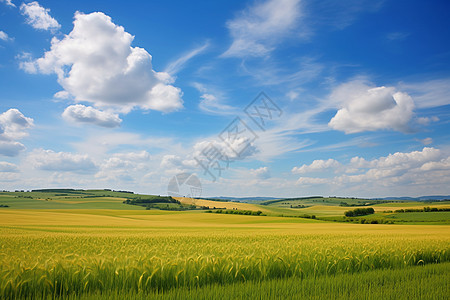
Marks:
<point>57,191</point>
<point>425,209</point>
<point>237,212</point>
<point>73,191</point>
<point>361,203</point>
<point>359,212</point>
<point>215,199</point>
<point>288,199</point>
<point>155,199</point>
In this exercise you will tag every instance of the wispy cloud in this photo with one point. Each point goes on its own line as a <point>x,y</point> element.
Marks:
<point>177,65</point>
<point>8,2</point>
<point>259,28</point>
<point>268,72</point>
<point>429,93</point>
<point>339,14</point>
<point>211,101</point>
<point>397,36</point>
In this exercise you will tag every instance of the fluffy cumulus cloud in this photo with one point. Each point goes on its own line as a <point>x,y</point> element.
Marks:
<point>317,166</point>
<point>87,114</point>
<point>261,173</point>
<point>311,181</point>
<point>95,63</point>
<point>421,170</point>
<point>38,16</point>
<point>230,149</point>
<point>174,164</point>
<point>259,28</point>
<point>124,166</point>
<point>49,160</point>
<point>367,108</point>
<point>13,127</point>
<point>132,161</point>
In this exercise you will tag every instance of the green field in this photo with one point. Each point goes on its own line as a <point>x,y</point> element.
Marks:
<point>66,246</point>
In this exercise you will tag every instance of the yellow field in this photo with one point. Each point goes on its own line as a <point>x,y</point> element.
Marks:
<point>221,204</point>
<point>86,252</point>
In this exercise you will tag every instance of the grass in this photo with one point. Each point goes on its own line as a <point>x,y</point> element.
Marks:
<point>421,283</point>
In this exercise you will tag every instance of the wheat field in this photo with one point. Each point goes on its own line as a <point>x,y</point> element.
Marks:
<point>88,252</point>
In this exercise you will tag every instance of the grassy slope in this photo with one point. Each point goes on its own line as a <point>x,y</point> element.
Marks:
<point>325,208</point>
<point>90,199</point>
<point>329,209</point>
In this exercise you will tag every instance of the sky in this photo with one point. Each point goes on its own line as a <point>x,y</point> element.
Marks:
<point>276,98</point>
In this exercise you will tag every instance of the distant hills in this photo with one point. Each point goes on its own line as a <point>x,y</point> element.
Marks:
<point>421,198</point>
<point>241,199</point>
<point>249,199</point>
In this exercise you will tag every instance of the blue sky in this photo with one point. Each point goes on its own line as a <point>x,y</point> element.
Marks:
<point>356,96</point>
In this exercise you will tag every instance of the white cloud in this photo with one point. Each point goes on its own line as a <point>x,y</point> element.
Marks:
<point>8,2</point>
<point>211,101</point>
<point>311,180</point>
<point>13,124</point>
<point>26,62</point>
<point>87,114</point>
<point>130,161</point>
<point>95,63</point>
<point>124,166</point>
<point>4,36</point>
<point>38,16</point>
<point>432,93</point>
<point>443,164</point>
<point>406,160</point>
<point>316,166</point>
<point>9,177</point>
<point>418,171</point>
<point>49,160</point>
<point>10,148</point>
<point>61,95</point>
<point>13,127</point>
<point>231,149</point>
<point>426,141</point>
<point>367,108</point>
<point>261,173</point>
<point>174,164</point>
<point>177,65</point>
<point>8,167</point>
<point>259,28</point>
